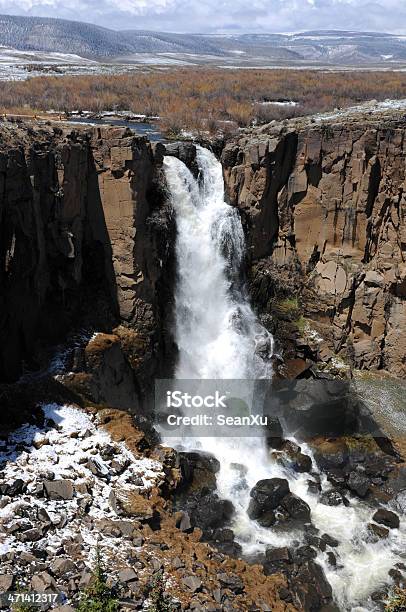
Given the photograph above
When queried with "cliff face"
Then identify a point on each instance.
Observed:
(324, 209)
(87, 239)
(83, 242)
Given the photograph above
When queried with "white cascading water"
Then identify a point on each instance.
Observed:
(219, 337)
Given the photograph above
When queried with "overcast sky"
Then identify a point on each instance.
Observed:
(223, 15)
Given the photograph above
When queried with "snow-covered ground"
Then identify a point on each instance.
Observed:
(284, 103)
(371, 107)
(15, 56)
(72, 449)
(20, 65)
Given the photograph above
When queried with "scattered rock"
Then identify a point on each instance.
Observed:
(333, 498)
(184, 523)
(207, 511)
(396, 576)
(127, 575)
(198, 470)
(193, 583)
(332, 559)
(378, 530)
(135, 505)
(97, 467)
(358, 483)
(311, 587)
(42, 581)
(329, 540)
(85, 579)
(16, 488)
(278, 554)
(302, 463)
(297, 508)
(31, 535)
(232, 582)
(59, 489)
(6, 582)
(62, 567)
(304, 553)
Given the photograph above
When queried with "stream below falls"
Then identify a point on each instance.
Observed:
(219, 337)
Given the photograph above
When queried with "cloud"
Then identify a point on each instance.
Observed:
(222, 15)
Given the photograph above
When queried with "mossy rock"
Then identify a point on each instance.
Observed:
(287, 309)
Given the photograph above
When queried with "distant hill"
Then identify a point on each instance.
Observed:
(63, 36)
(91, 41)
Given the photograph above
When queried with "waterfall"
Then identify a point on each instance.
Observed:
(216, 331)
(219, 337)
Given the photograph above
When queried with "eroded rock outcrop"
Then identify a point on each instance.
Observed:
(324, 206)
(85, 244)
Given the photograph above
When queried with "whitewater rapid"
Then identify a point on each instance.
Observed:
(219, 337)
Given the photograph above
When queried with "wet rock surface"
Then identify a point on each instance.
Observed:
(272, 503)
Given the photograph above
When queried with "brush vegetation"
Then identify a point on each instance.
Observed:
(204, 99)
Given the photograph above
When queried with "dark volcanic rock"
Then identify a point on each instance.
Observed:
(387, 518)
(59, 489)
(284, 177)
(296, 507)
(302, 463)
(198, 470)
(333, 498)
(359, 484)
(267, 495)
(311, 587)
(378, 531)
(207, 511)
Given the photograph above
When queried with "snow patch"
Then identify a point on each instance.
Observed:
(63, 449)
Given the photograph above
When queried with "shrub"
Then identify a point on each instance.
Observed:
(98, 597)
(156, 595)
(397, 603)
(197, 98)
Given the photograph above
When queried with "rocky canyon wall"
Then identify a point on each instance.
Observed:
(87, 240)
(84, 246)
(323, 202)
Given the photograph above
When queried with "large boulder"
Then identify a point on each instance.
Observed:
(296, 507)
(387, 518)
(207, 511)
(198, 470)
(311, 587)
(59, 489)
(266, 496)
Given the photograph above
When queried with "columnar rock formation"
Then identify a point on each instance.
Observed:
(87, 239)
(84, 241)
(324, 205)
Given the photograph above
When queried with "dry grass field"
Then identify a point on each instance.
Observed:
(203, 98)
